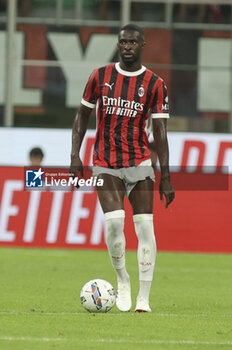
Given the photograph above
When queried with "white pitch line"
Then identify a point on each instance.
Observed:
(118, 341)
(39, 313)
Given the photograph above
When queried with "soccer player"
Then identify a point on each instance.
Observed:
(124, 93)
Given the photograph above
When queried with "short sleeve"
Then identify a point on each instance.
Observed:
(159, 105)
(90, 95)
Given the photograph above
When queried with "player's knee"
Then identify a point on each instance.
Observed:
(146, 228)
(114, 223)
(114, 227)
(144, 225)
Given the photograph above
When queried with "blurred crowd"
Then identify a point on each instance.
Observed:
(24, 7)
(110, 10)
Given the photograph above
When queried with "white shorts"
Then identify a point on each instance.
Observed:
(131, 175)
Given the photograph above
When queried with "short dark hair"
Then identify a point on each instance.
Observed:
(131, 26)
(36, 152)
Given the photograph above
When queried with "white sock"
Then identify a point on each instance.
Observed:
(146, 252)
(116, 243)
(144, 290)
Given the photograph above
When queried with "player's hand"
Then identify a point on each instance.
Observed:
(76, 168)
(166, 190)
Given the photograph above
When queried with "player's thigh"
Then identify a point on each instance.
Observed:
(141, 197)
(111, 194)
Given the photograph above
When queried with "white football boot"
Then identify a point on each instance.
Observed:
(142, 305)
(123, 297)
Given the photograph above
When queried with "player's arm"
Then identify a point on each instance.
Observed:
(81, 122)
(161, 143)
(78, 132)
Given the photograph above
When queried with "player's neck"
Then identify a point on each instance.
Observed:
(130, 67)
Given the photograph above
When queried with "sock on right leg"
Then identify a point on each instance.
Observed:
(116, 243)
(122, 275)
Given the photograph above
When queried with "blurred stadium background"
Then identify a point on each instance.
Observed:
(48, 49)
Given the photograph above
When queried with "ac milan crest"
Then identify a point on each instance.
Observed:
(141, 91)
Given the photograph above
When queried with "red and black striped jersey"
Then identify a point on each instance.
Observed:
(123, 101)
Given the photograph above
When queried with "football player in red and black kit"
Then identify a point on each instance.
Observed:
(125, 94)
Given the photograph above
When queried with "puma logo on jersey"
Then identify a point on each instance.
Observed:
(109, 85)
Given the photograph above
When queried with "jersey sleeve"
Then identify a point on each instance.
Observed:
(159, 105)
(91, 95)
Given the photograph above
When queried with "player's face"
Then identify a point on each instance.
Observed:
(130, 46)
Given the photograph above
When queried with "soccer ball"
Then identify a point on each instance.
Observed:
(97, 296)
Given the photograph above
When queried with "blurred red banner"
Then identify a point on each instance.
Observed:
(199, 220)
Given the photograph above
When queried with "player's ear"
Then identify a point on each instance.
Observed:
(118, 41)
(143, 44)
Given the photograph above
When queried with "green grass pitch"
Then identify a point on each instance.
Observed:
(191, 300)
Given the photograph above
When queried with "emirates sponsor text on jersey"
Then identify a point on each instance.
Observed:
(119, 106)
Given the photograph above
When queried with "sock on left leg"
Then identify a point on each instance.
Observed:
(146, 255)
(144, 290)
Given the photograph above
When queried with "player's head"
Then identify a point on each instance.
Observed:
(36, 156)
(130, 44)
